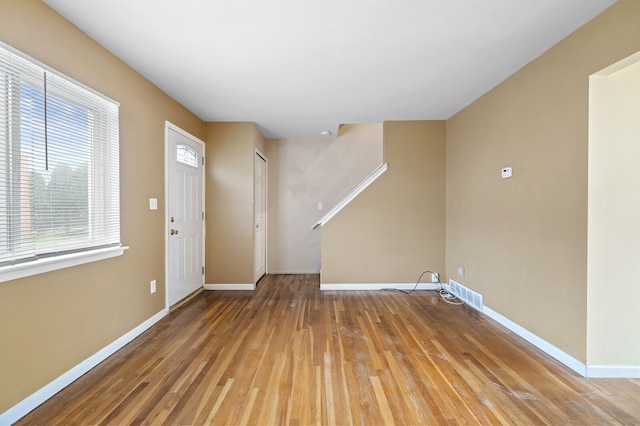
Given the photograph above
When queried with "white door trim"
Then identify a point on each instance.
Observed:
(170, 126)
(266, 213)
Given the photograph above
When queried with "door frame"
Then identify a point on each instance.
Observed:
(266, 213)
(170, 126)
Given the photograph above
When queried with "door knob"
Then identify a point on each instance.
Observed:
(174, 232)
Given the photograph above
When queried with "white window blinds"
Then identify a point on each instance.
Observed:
(59, 165)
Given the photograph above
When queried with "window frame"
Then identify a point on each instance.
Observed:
(47, 262)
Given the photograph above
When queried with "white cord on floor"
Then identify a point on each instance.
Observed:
(445, 295)
(450, 298)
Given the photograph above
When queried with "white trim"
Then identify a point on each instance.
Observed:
(48, 264)
(613, 371)
(229, 286)
(266, 214)
(620, 65)
(351, 195)
(543, 345)
(56, 72)
(591, 371)
(381, 286)
(170, 126)
(22, 408)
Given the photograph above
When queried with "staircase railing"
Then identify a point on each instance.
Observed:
(351, 195)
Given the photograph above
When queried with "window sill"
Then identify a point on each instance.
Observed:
(13, 272)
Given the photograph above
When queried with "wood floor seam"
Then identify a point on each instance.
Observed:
(289, 353)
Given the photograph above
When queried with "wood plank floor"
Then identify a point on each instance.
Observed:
(290, 354)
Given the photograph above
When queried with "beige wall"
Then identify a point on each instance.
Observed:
(305, 172)
(51, 322)
(613, 272)
(394, 229)
(229, 201)
(523, 241)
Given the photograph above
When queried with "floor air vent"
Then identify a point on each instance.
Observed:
(469, 296)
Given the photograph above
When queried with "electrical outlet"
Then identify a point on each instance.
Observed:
(152, 286)
(461, 271)
(435, 277)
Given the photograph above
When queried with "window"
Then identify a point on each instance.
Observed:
(187, 155)
(59, 168)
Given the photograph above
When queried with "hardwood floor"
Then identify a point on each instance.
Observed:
(290, 354)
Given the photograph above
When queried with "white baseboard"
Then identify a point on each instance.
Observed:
(613, 371)
(589, 371)
(230, 286)
(22, 408)
(543, 345)
(381, 286)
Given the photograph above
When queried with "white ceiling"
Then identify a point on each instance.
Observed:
(297, 67)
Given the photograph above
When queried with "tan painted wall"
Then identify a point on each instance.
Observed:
(51, 322)
(523, 241)
(303, 172)
(229, 202)
(613, 272)
(394, 229)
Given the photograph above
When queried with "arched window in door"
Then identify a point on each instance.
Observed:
(187, 155)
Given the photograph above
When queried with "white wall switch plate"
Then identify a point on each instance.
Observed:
(152, 286)
(319, 205)
(461, 271)
(507, 172)
(153, 204)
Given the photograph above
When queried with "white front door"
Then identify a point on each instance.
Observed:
(260, 239)
(184, 214)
